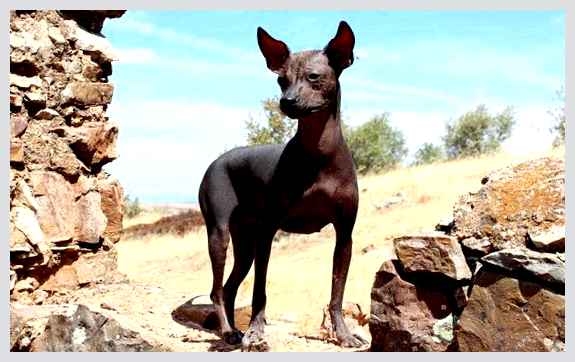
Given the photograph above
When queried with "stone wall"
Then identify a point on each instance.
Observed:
(64, 209)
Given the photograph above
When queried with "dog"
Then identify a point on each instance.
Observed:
(252, 192)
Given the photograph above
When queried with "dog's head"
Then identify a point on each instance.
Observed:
(308, 79)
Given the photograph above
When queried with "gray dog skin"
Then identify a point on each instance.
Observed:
(299, 187)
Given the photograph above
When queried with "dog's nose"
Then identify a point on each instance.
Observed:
(287, 103)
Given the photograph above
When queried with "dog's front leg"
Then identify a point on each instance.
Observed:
(341, 261)
(253, 339)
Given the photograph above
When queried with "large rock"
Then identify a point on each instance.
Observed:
(512, 202)
(506, 314)
(71, 328)
(432, 253)
(408, 317)
(541, 266)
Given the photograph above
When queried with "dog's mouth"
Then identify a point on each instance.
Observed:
(297, 112)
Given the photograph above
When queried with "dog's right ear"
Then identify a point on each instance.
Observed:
(275, 51)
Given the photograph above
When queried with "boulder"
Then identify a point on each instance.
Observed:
(95, 45)
(72, 328)
(432, 253)
(476, 246)
(526, 197)
(25, 82)
(551, 240)
(407, 317)
(90, 220)
(545, 267)
(506, 314)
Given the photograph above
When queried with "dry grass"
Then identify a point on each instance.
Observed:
(299, 274)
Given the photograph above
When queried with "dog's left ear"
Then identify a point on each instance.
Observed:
(339, 50)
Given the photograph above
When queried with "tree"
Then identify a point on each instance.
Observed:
(478, 132)
(132, 208)
(278, 127)
(428, 153)
(558, 114)
(375, 145)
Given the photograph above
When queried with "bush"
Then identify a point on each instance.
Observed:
(375, 145)
(278, 127)
(477, 132)
(132, 208)
(428, 153)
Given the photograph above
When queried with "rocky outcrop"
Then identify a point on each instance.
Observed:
(498, 271)
(71, 328)
(64, 210)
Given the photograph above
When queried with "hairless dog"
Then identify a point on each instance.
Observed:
(299, 187)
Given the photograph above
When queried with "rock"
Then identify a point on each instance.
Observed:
(368, 248)
(526, 197)
(98, 46)
(35, 99)
(28, 284)
(46, 114)
(551, 240)
(407, 317)
(13, 279)
(506, 314)
(16, 151)
(88, 268)
(353, 317)
(395, 199)
(44, 151)
(15, 102)
(39, 296)
(90, 220)
(87, 93)
(112, 200)
(203, 315)
(26, 221)
(71, 328)
(25, 82)
(56, 35)
(432, 254)
(481, 246)
(445, 225)
(543, 266)
(56, 205)
(18, 123)
(91, 20)
(94, 144)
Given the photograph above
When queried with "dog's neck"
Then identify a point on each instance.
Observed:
(320, 133)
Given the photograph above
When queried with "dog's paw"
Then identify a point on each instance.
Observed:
(233, 338)
(352, 341)
(254, 342)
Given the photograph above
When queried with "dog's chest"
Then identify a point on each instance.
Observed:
(314, 210)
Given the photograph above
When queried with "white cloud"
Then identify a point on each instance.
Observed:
(185, 39)
(165, 146)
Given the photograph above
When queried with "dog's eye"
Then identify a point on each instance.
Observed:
(312, 77)
(283, 82)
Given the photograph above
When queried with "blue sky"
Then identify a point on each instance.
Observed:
(185, 82)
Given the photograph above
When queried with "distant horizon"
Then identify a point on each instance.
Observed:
(186, 81)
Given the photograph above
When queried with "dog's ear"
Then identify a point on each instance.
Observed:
(339, 50)
(275, 51)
